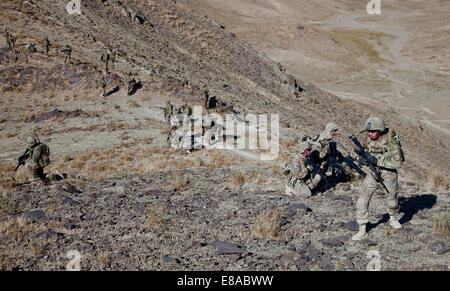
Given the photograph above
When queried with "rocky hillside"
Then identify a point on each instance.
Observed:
(143, 194)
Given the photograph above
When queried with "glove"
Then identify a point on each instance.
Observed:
(358, 151)
(372, 160)
(362, 161)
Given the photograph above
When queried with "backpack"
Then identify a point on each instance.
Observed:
(396, 159)
(45, 156)
(288, 171)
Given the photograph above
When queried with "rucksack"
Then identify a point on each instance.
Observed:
(45, 156)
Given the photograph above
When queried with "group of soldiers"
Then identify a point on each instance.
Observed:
(178, 118)
(10, 40)
(317, 161)
(307, 172)
(30, 47)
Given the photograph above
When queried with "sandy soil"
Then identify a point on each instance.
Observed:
(398, 59)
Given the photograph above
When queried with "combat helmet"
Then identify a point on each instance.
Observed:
(375, 123)
(331, 126)
(303, 146)
(324, 135)
(31, 141)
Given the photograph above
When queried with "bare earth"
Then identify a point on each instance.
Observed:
(130, 202)
(399, 59)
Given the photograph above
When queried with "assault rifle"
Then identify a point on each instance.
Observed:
(368, 160)
(21, 161)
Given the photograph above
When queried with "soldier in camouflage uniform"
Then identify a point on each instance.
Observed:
(46, 44)
(302, 177)
(131, 82)
(103, 84)
(106, 58)
(383, 146)
(186, 110)
(67, 51)
(37, 155)
(168, 111)
(7, 37)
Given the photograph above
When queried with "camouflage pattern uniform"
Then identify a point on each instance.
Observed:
(168, 111)
(103, 86)
(298, 173)
(36, 160)
(7, 37)
(107, 57)
(186, 110)
(67, 50)
(46, 43)
(321, 149)
(131, 82)
(389, 155)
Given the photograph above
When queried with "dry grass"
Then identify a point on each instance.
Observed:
(6, 206)
(179, 182)
(441, 223)
(238, 178)
(268, 224)
(158, 216)
(133, 104)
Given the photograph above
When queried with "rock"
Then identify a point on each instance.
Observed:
(66, 187)
(442, 251)
(34, 216)
(294, 209)
(225, 248)
(283, 221)
(49, 233)
(197, 244)
(171, 260)
(313, 253)
(56, 113)
(326, 265)
(230, 213)
(352, 225)
(332, 242)
(69, 201)
(370, 243)
(300, 263)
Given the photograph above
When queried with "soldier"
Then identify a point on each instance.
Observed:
(103, 86)
(106, 57)
(303, 178)
(186, 109)
(67, 50)
(131, 82)
(30, 48)
(46, 44)
(12, 42)
(37, 157)
(168, 111)
(385, 153)
(332, 128)
(7, 35)
(206, 95)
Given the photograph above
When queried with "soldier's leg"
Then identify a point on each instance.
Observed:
(314, 184)
(299, 189)
(391, 181)
(32, 171)
(362, 206)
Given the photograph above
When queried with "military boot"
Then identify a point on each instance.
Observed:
(395, 223)
(362, 234)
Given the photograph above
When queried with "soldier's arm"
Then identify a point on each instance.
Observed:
(324, 151)
(302, 170)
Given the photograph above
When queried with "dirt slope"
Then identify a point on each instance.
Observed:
(114, 149)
